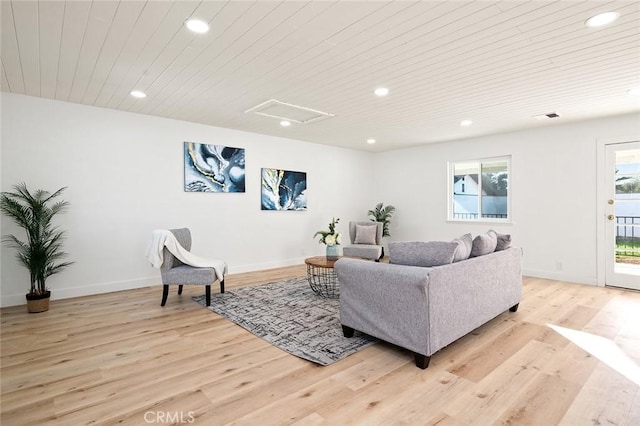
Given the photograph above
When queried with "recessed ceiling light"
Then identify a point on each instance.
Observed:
(601, 19)
(138, 94)
(633, 91)
(285, 123)
(371, 141)
(381, 91)
(466, 123)
(197, 26)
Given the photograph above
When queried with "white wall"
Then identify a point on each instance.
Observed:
(552, 184)
(125, 177)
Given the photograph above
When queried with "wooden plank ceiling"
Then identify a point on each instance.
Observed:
(495, 63)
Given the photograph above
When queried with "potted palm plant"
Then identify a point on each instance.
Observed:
(383, 214)
(41, 252)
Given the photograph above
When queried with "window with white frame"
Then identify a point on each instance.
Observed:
(479, 190)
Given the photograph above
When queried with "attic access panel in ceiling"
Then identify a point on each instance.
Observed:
(282, 110)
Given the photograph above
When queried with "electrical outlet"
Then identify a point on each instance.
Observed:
(559, 265)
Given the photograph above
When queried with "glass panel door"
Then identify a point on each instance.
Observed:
(623, 215)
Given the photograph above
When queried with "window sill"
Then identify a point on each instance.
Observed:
(482, 221)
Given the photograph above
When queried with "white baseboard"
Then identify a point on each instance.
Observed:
(66, 293)
(12, 300)
(561, 276)
(69, 292)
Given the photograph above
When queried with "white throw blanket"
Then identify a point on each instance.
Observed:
(161, 238)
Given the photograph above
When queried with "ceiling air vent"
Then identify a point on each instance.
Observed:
(546, 116)
(284, 111)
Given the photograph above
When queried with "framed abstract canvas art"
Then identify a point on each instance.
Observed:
(283, 190)
(213, 168)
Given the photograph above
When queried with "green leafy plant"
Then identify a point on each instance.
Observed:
(382, 214)
(330, 237)
(41, 252)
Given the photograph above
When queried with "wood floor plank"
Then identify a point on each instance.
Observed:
(298, 405)
(204, 366)
(633, 418)
(376, 398)
(114, 358)
(374, 365)
(426, 402)
(493, 354)
(572, 364)
(312, 419)
(545, 401)
(237, 385)
(611, 318)
(417, 395)
(487, 401)
(469, 344)
(607, 398)
(176, 409)
(225, 410)
(83, 407)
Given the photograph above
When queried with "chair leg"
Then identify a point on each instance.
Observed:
(222, 285)
(207, 290)
(514, 307)
(165, 293)
(180, 289)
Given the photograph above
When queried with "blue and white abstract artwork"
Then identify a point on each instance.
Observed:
(213, 168)
(284, 190)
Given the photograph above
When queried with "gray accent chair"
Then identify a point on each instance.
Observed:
(173, 271)
(364, 251)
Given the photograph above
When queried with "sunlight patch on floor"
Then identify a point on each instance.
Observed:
(604, 349)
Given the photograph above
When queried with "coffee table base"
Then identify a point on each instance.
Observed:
(323, 281)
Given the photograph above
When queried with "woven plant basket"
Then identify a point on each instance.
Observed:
(38, 302)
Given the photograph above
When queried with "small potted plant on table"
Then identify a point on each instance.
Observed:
(332, 239)
(42, 251)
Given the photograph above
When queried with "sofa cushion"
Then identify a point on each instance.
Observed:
(465, 242)
(504, 241)
(421, 253)
(366, 234)
(484, 244)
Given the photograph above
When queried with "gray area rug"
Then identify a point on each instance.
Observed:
(289, 315)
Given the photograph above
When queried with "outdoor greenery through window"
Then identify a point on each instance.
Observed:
(627, 207)
(479, 189)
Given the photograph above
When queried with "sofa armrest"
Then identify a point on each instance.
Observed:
(467, 294)
(385, 301)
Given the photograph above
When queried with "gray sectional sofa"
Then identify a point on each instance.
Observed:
(423, 309)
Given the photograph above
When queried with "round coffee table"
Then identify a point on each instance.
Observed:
(322, 278)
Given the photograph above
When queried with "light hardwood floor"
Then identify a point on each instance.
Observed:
(121, 358)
